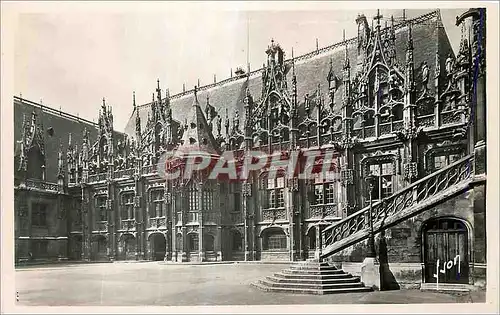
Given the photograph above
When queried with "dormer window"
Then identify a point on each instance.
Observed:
(193, 125)
(192, 141)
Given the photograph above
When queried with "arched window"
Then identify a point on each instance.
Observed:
(193, 242)
(35, 163)
(208, 242)
(274, 239)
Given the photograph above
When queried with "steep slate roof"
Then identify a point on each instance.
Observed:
(62, 124)
(312, 69)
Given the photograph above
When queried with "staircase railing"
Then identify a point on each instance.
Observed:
(419, 191)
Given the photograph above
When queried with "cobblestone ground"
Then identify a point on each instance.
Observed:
(156, 284)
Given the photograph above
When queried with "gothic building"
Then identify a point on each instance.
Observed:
(393, 104)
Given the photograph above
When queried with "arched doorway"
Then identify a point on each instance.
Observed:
(158, 246)
(100, 247)
(76, 247)
(274, 239)
(446, 251)
(129, 246)
(209, 243)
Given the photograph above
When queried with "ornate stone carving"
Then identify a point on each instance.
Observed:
(293, 184)
(347, 176)
(410, 171)
(246, 189)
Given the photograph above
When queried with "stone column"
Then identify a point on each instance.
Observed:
(218, 243)
(246, 217)
(319, 246)
(184, 244)
(173, 232)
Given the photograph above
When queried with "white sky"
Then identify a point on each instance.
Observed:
(72, 58)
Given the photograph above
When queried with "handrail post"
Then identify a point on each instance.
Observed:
(371, 239)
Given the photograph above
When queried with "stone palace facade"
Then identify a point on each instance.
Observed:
(395, 102)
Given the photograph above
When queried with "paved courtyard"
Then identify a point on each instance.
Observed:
(157, 284)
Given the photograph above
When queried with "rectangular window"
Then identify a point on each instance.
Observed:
(39, 214)
(193, 199)
(193, 216)
(444, 159)
(439, 161)
(383, 181)
(128, 207)
(330, 193)
(271, 198)
(318, 194)
(275, 192)
(280, 202)
(207, 200)
(101, 208)
(237, 202)
(325, 189)
(156, 204)
(276, 242)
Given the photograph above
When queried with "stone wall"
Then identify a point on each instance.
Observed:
(274, 255)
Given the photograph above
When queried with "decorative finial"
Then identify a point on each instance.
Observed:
(133, 95)
(343, 35)
(158, 83)
(378, 17)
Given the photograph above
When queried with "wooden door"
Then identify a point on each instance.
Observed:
(446, 251)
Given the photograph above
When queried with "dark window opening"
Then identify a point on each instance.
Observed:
(274, 239)
(39, 214)
(193, 242)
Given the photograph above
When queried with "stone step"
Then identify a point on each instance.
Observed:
(445, 287)
(313, 281)
(312, 271)
(312, 276)
(309, 267)
(312, 263)
(263, 287)
(310, 286)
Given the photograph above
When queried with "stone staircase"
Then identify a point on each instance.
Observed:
(402, 205)
(311, 277)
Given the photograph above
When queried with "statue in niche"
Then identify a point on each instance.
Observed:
(60, 159)
(425, 75)
(219, 125)
(236, 121)
(307, 105)
(449, 65)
